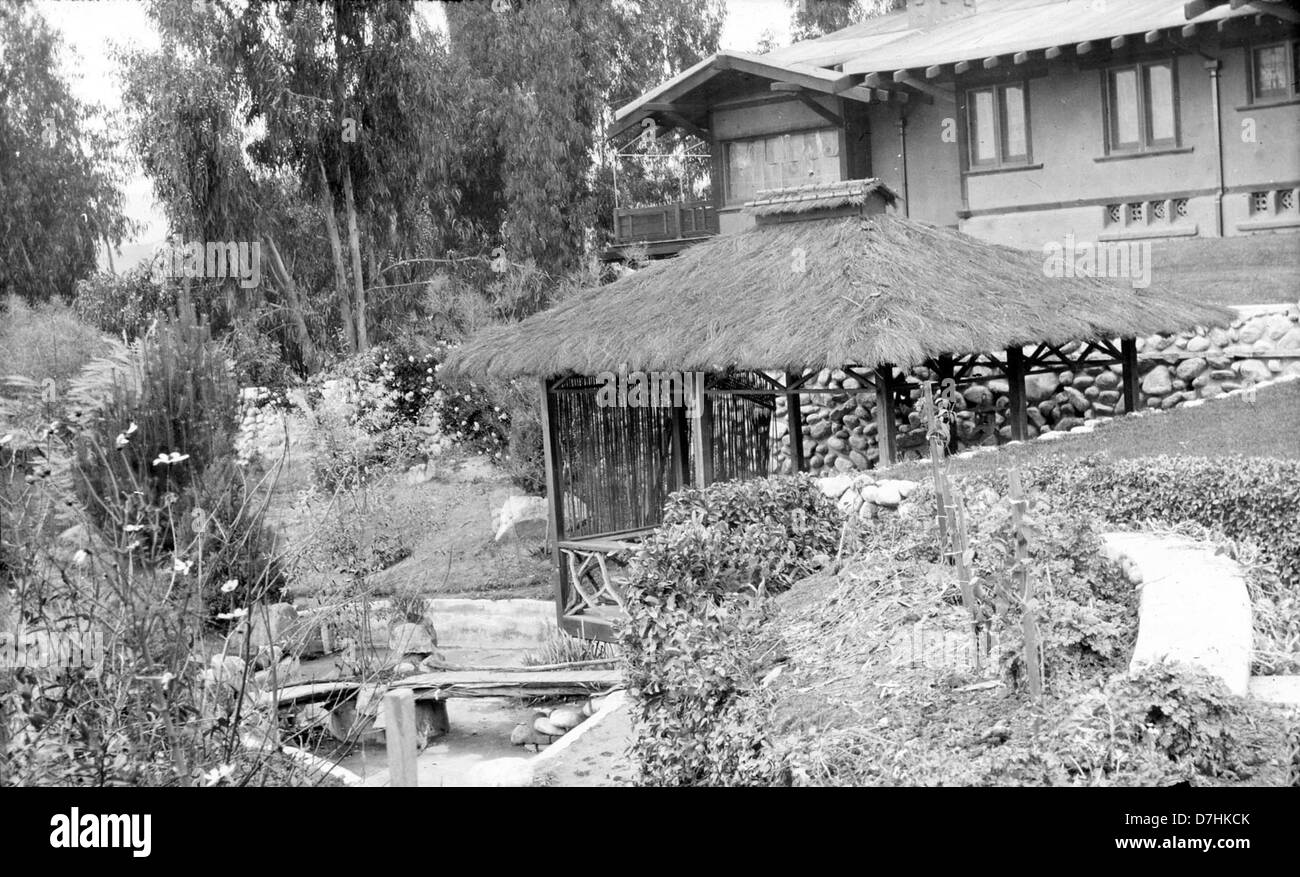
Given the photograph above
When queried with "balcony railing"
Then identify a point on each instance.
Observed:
(684, 220)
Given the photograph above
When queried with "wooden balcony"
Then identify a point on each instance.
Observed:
(664, 229)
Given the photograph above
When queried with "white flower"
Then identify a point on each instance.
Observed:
(121, 441)
(170, 459)
(181, 566)
(229, 586)
(132, 528)
(6, 438)
(80, 557)
(231, 616)
(132, 428)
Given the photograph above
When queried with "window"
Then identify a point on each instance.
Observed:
(997, 120)
(1274, 72)
(781, 161)
(1141, 107)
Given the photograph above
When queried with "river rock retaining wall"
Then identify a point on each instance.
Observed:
(839, 428)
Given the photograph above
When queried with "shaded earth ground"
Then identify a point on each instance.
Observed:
(443, 525)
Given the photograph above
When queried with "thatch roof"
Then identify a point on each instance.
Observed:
(819, 197)
(876, 289)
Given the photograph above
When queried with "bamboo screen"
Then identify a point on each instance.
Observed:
(616, 463)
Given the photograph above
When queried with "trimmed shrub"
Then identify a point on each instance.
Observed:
(694, 637)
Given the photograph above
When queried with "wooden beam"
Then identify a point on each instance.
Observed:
(1189, 31)
(1118, 42)
(990, 63)
(1017, 413)
(702, 436)
(934, 72)
(681, 446)
(886, 425)
(687, 125)
(399, 738)
(860, 94)
(1083, 48)
(794, 420)
(1020, 57)
(1129, 353)
(813, 104)
(554, 498)
(1196, 8)
(797, 90)
(928, 92)
(1052, 53)
(873, 80)
(1151, 36)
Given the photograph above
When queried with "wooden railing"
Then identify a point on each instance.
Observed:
(667, 222)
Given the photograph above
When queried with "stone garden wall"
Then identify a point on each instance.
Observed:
(839, 429)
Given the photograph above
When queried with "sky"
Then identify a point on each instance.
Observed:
(93, 29)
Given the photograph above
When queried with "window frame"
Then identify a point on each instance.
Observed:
(1292, 90)
(1145, 142)
(1000, 123)
(728, 201)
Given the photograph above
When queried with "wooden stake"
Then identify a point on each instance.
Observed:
(399, 734)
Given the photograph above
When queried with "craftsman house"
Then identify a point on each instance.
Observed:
(1017, 121)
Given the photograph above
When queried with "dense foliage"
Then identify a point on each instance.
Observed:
(1251, 498)
(60, 174)
(694, 639)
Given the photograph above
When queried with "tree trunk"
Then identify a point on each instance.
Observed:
(354, 244)
(294, 305)
(336, 250)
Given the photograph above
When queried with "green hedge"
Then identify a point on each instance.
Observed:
(694, 639)
(1246, 498)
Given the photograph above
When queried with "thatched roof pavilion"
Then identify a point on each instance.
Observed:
(876, 289)
(825, 279)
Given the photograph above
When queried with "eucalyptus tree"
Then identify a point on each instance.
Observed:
(60, 170)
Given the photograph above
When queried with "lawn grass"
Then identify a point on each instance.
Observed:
(1267, 427)
(1246, 270)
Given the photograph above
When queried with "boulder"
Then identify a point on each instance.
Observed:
(1158, 382)
(1198, 344)
(835, 485)
(1253, 370)
(1107, 380)
(1290, 340)
(407, 638)
(1190, 368)
(1041, 387)
(522, 517)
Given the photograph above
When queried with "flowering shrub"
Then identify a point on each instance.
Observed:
(471, 416)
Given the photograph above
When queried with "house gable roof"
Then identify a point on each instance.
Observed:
(888, 44)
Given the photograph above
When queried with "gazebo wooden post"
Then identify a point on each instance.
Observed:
(1015, 372)
(554, 495)
(681, 447)
(794, 420)
(1129, 357)
(886, 426)
(702, 436)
